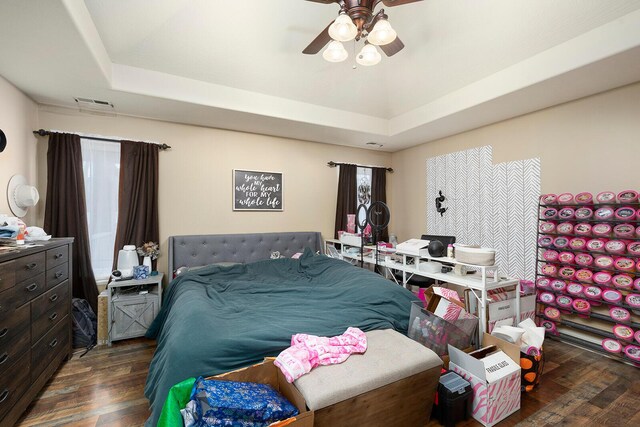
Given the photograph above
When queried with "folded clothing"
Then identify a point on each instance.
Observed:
(230, 403)
(9, 231)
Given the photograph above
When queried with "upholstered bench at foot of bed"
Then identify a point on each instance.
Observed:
(392, 384)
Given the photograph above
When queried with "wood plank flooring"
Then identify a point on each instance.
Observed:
(105, 388)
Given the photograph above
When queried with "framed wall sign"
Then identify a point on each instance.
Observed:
(257, 191)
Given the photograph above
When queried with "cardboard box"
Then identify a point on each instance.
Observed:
(495, 379)
(503, 306)
(442, 304)
(267, 373)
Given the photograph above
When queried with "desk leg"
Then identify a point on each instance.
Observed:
(518, 314)
(109, 316)
(483, 315)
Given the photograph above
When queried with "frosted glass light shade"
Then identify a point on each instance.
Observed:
(335, 52)
(368, 56)
(343, 29)
(382, 33)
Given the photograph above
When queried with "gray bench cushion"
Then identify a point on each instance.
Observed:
(390, 357)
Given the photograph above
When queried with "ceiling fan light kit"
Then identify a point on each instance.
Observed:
(343, 29)
(382, 33)
(368, 56)
(335, 52)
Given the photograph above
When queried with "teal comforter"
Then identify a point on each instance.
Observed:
(218, 319)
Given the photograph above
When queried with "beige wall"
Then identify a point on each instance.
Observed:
(592, 144)
(195, 175)
(17, 120)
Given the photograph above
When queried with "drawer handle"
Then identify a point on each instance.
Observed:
(31, 266)
(4, 395)
(4, 332)
(32, 287)
(59, 274)
(58, 255)
(53, 343)
(53, 316)
(53, 298)
(3, 358)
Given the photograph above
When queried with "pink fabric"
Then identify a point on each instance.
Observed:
(308, 351)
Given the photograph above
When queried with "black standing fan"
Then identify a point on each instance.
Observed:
(360, 226)
(378, 216)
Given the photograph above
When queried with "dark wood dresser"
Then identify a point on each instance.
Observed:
(35, 321)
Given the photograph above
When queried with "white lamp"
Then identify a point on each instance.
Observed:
(343, 29)
(369, 55)
(335, 52)
(382, 33)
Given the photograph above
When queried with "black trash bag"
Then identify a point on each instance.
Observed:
(85, 324)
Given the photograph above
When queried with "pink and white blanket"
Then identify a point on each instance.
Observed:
(308, 351)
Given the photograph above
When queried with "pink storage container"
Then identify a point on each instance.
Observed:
(623, 332)
(558, 285)
(583, 229)
(549, 326)
(596, 245)
(637, 336)
(611, 296)
(561, 242)
(603, 261)
(602, 278)
(611, 346)
(582, 306)
(624, 231)
(564, 228)
(638, 215)
(547, 227)
(619, 314)
(633, 248)
(566, 273)
(601, 230)
(550, 255)
(543, 283)
(638, 231)
(636, 284)
(628, 196)
(633, 301)
(545, 241)
(549, 270)
(633, 353)
(615, 247)
(578, 243)
(638, 265)
(622, 281)
(585, 213)
(565, 199)
(604, 213)
(625, 213)
(547, 298)
(593, 292)
(564, 302)
(566, 213)
(552, 313)
(575, 289)
(584, 260)
(625, 264)
(566, 257)
(548, 199)
(606, 197)
(550, 213)
(584, 275)
(584, 198)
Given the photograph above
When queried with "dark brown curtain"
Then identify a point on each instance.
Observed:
(379, 194)
(137, 196)
(65, 212)
(347, 197)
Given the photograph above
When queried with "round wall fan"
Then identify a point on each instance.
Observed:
(357, 20)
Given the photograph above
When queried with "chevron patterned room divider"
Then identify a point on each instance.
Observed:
(489, 205)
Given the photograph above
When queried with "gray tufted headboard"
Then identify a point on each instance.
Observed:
(200, 250)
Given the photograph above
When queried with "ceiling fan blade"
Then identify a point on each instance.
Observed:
(393, 47)
(324, 1)
(319, 42)
(391, 3)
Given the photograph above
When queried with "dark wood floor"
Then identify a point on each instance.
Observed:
(105, 388)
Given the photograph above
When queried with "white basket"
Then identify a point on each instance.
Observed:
(475, 255)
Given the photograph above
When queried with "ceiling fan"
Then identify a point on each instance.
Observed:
(357, 20)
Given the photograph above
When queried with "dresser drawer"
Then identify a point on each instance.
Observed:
(57, 256)
(13, 327)
(7, 275)
(29, 266)
(13, 385)
(15, 352)
(7, 302)
(57, 274)
(49, 309)
(29, 289)
(53, 343)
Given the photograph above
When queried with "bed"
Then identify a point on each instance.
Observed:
(217, 318)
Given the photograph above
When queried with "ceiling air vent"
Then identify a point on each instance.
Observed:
(95, 105)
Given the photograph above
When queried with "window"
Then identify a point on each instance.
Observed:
(101, 170)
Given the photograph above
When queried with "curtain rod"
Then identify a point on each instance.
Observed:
(43, 132)
(333, 164)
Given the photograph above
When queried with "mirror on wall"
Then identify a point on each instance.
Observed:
(3, 141)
